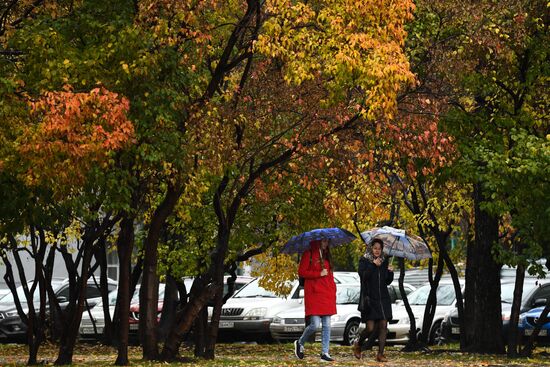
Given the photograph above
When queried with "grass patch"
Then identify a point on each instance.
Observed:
(275, 355)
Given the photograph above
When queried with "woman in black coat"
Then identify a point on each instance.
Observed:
(374, 302)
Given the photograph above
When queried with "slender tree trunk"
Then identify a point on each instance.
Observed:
(125, 245)
(431, 304)
(482, 306)
(514, 316)
(412, 343)
(148, 294)
(70, 334)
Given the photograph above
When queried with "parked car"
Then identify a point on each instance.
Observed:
(289, 325)
(249, 311)
(535, 293)
(399, 326)
(3, 292)
(240, 281)
(93, 322)
(12, 326)
(527, 322)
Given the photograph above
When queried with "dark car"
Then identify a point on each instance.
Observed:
(12, 327)
(535, 293)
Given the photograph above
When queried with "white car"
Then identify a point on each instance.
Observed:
(398, 327)
(249, 311)
(289, 325)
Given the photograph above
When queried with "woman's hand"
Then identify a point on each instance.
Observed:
(390, 268)
(377, 261)
(324, 272)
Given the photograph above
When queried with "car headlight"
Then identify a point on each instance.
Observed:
(11, 313)
(277, 320)
(334, 318)
(255, 313)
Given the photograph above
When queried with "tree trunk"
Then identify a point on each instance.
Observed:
(70, 333)
(148, 294)
(482, 299)
(431, 304)
(458, 292)
(170, 304)
(200, 328)
(125, 245)
(412, 343)
(184, 320)
(514, 316)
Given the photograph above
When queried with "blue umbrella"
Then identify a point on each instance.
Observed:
(399, 243)
(300, 243)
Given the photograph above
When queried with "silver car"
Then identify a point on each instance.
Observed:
(290, 324)
(250, 311)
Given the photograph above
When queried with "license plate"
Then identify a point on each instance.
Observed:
(90, 330)
(542, 332)
(455, 330)
(293, 328)
(226, 324)
(134, 326)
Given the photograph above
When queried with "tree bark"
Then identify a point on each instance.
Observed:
(125, 245)
(482, 298)
(148, 294)
(514, 315)
(184, 320)
(70, 333)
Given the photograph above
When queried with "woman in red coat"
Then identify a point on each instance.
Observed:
(319, 295)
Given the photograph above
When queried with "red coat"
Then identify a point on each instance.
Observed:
(319, 292)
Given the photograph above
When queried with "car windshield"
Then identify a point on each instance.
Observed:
(445, 295)
(347, 295)
(253, 290)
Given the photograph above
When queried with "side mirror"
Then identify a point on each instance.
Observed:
(539, 302)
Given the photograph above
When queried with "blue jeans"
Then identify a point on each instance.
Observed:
(315, 321)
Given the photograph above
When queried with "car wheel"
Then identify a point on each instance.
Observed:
(436, 336)
(351, 332)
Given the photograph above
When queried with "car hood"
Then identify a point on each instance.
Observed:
(7, 307)
(273, 305)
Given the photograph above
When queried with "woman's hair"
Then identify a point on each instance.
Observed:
(377, 240)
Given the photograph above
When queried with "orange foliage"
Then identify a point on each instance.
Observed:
(73, 133)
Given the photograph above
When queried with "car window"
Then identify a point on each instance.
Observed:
(507, 292)
(445, 295)
(347, 295)
(92, 291)
(542, 292)
(253, 290)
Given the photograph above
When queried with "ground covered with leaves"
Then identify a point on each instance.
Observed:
(276, 355)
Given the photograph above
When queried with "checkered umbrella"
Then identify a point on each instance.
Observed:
(398, 243)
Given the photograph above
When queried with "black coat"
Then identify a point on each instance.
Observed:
(374, 301)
